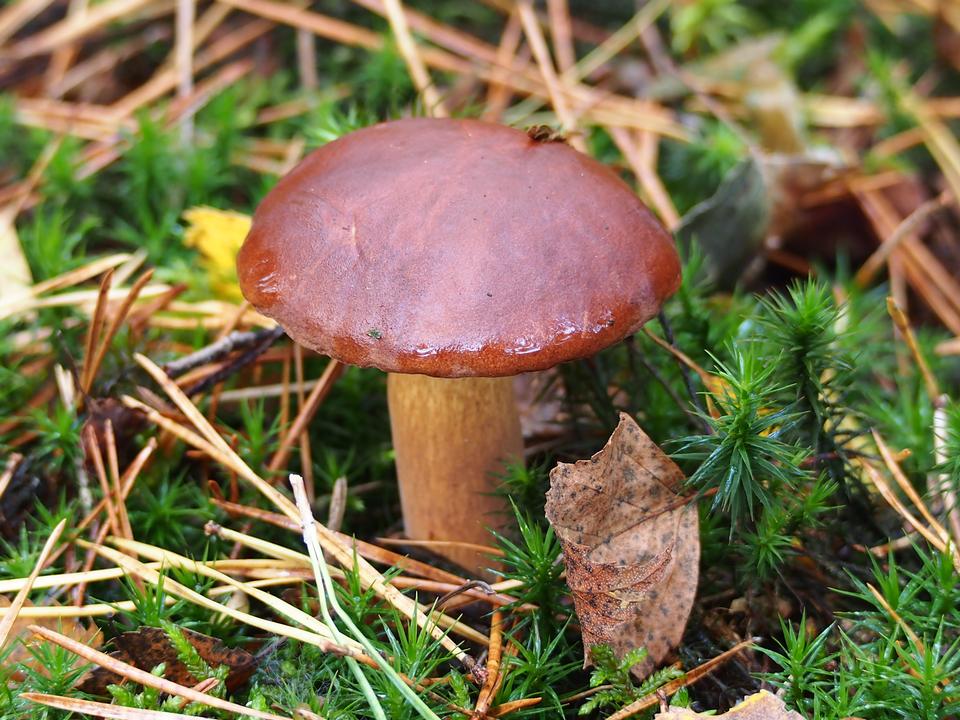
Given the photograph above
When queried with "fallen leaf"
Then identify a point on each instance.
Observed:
(218, 235)
(760, 201)
(71, 627)
(147, 647)
(759, 706)
(630, 542)
(731, 225)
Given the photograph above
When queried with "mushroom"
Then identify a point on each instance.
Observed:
(454, 254)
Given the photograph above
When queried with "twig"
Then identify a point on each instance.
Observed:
(367, 550)
(215, 351)
(907, 630)
(905, 485)
(268, 338)
(465, 587)
(887, 493)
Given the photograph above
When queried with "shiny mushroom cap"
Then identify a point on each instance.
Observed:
(455, 248)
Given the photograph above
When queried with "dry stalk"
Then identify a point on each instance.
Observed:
(696, 674)
(98, 709)
(143, 677)
(411, 56)
(6, 623)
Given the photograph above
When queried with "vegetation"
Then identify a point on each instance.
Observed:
(793, 406)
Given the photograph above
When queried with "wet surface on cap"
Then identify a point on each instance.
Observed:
(455, 248)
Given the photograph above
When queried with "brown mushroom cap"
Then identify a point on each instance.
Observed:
(455, 248)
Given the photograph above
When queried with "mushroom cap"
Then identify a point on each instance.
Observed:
(455, 248)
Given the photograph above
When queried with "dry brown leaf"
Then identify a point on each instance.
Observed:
(759, 706)
(147, 647)
(631, 544)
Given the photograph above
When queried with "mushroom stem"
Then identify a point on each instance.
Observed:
(451, 438)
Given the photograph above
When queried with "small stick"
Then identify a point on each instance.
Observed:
(237, 363)
(225, 456)
(281, 553)
(371, 552)
(284, 418)
(216, 351)
(81, 274)
(17, 14)
(172, 587)
(514, 705)
(432, 544)
(291, 612)
(127, 481)
(465, 588)
(887, 493)
(642, 160)
(307, 60)
(113, 465)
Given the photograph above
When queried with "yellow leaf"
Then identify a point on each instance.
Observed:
(218, 235)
